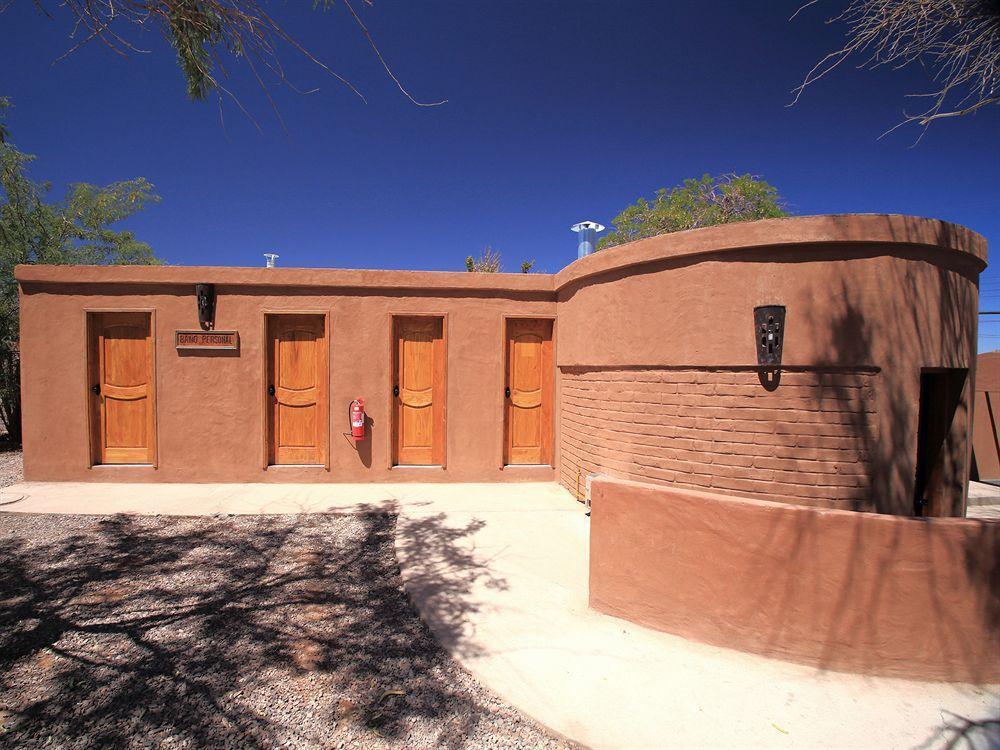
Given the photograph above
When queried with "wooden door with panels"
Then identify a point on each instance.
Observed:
(528, 392)
(122, 392)
(297, 421)
(419, 390)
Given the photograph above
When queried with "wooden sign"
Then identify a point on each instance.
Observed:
(207, 340)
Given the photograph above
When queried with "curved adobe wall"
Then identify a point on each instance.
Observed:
(659, 380)
(860, 592)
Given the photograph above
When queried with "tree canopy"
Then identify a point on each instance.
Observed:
(696, 203)
(74, 230)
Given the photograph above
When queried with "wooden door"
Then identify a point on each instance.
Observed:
(121, 386)
(418, 391)
(297, 389)
(528, 392)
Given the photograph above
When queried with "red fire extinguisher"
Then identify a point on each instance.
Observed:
(357, 411)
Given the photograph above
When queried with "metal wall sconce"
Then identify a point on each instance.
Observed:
(206, 305)
(769, 332)
(769, 322)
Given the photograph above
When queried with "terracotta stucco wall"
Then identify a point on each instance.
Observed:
(870, 315)
(985, 444)
(845, 591)
(871, 301)
(810, 441)
(210, 419)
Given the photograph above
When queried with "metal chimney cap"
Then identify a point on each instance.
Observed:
(587, 225)
(269, 259)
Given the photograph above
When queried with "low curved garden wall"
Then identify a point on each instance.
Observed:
(859, 592)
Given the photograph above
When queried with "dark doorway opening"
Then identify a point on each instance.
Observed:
(941, 440)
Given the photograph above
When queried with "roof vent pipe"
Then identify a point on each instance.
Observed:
(587, 237)
(269, 259)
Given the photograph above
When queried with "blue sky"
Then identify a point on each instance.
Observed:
(557, 112)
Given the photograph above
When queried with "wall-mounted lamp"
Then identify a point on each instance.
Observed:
(769, 328)
(769, 332)
(206, 305)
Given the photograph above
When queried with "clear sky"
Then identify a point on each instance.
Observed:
(557, 112)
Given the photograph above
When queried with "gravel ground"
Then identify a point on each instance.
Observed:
(11, 467)
(226, 632)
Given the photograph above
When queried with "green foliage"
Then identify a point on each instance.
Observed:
(195, 30)
(74, 230)
(4, 104)
(697, 203)
(527, 265)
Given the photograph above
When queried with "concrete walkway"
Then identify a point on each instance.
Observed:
(984, 500)
(500, 573)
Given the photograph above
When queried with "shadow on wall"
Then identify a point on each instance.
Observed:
(855, 592)
(363, 447)
(928, 314)
(870, 596)
(924, 315)
(245, 631)
(836, 426)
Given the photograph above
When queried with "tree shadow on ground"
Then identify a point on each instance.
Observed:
(245, 632)
(444, 569)
(962, 733)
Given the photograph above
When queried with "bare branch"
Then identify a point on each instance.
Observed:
(385, 65)
(925, 119)
(802, 8)
(203, 32)
(957, 42)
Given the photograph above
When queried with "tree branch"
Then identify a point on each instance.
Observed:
(956, 41)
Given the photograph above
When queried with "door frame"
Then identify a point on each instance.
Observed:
(502, 401)
(262, 388)
(92, 447)
(391, 400)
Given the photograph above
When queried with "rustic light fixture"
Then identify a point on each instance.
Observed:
(206, 305)
(769, 325)
(769, 332)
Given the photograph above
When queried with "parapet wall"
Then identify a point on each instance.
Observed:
(860, 592)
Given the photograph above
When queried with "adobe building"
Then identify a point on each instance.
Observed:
(824, 360)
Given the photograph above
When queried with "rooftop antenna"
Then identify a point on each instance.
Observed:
(587, 236)
(269, 259)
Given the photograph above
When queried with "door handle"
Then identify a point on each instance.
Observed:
(96, 389)
(395, 391)
(270, 390)
(506, 392)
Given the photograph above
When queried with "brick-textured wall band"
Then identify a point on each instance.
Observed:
(808, 441)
